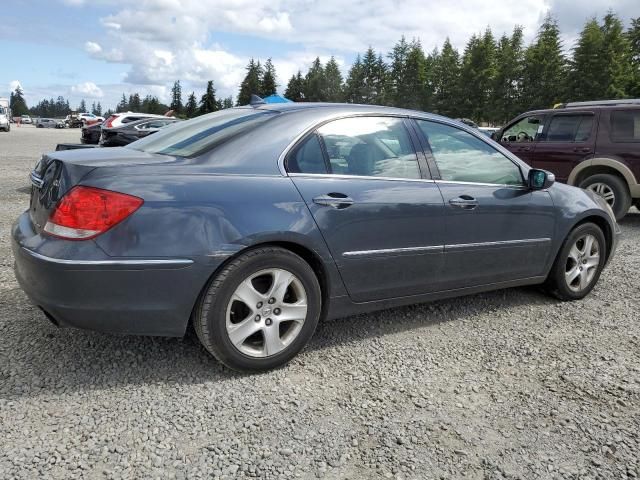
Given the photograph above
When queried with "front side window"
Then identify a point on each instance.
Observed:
(625, 126)
(569, 128)
(461, 157)
(524, 130)
(370, 146)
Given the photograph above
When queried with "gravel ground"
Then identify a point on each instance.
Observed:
(510, 384)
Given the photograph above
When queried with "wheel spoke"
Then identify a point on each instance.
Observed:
(247, 294)
(609, 195)
(574, 253)
(588, 244)
(592, 261)
(584, 279)
(297, 312)
(281, 281)
(272, 341)
(572, 274)
(238, 333)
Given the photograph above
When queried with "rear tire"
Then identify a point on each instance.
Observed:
(260, 310)
(613, 189)
(579, 263)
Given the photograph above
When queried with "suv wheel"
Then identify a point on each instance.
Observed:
(260, 310)
(613, 189)
(578, 264)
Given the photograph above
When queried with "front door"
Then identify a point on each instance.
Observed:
(568, 139)
(381, 218)
(521, 137)
(496, 229)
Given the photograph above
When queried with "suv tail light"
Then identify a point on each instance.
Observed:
(86, 212)
(109, 121)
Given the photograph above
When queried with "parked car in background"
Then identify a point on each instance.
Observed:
(49, 123)
(5, 116)
(90, 134)
(467, 121)
(89, 118)
(593, 145)
(26, 119)
(73, 120)
(120, 118)
(255, 221)
(130, 132)
(488, 131)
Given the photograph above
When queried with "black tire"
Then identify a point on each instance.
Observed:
(210, 314)
(556, 283)
(622, 198)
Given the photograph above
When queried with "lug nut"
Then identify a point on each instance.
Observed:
(272, 301)
(268, 322)
(257, 318)
(277, 311)
(259, 305)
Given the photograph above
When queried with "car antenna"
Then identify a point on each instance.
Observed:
(256, 100)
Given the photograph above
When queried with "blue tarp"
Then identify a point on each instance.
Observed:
(275, 98)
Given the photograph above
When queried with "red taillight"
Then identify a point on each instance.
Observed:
(110, 120)
(85, 212)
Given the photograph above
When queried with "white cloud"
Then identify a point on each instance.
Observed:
(92, 48)
(88, 89)
(13, 84)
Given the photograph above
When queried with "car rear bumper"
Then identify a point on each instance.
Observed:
(115, 295)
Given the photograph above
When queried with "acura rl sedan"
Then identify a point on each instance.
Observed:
(253, 223)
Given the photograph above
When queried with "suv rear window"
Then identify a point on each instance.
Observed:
(625, 126)
(569, 128)
(195, 136)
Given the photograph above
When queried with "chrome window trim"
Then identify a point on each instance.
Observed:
(505, 185)
(386, 251)
(141, 262)
(500, 243)
(363, 177)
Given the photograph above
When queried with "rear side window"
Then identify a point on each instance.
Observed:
(307, 157)
(569, 128)
(625, 126)
(370, 146)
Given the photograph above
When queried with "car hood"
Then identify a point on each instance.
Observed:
(110, 157)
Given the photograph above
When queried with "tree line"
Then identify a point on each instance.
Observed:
(491, 80)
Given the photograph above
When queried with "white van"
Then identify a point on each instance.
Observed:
(5, 115)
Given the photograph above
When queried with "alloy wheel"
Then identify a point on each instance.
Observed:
(266, 312)
(582, 263)
(605, 191)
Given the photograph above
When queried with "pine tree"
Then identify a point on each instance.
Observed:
(586, 76)
(135, 104)
(617, 51)
(208, 101)
(374, 74)
(192, 106)
(314, 83)
(507, 82)
(544, 73)
(476, 76)
(633, 36)
(398, 88)
(446, 79)
(252, 83)
(17, 102)
(98, 109)
(83, 106)
(176, 98)
(123, 106)
(332, 82)
(268, 84)
(354, 85)
(414, 83)
(227, 102)
(295, 88)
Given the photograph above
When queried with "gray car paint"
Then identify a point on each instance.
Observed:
(209, 208)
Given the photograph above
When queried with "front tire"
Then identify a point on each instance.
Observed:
(260, 310)
(613, 189)
(579, 263)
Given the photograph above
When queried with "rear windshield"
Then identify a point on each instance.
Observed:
(195, 136)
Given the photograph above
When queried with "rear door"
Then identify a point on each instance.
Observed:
(567, 139)
(371, 196)
(521, 137)
(496, 229)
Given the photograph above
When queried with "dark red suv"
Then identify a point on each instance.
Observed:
(593, 145)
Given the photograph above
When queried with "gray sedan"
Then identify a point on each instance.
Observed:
(254, 223)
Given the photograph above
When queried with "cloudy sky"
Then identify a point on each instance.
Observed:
(97, 49)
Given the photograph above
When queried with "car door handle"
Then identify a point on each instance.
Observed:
(465, 202)
(582, 149)
(524, 149)
(334, 200)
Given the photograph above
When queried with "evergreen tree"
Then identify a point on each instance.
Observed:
(414, 84)
(477, 75)
(123, 106)
(268, 84)
(354, 85)
(373, 78)
(227, 102)
(633, 36)
(252, 83)
(586, 76)
(208, 102)
(446, 79)
(176, 98)
(83, 106)
(295, 88)
(507, 82)
(617, 52)
(332, 82)
(93, 108)
(192, 106)
(17, 102)
(544, 73)
(314, 82)
(99, 109)
(398, 88)
(135, 104)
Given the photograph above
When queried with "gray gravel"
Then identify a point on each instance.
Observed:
(510, 384)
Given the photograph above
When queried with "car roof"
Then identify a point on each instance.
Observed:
(579, 108)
